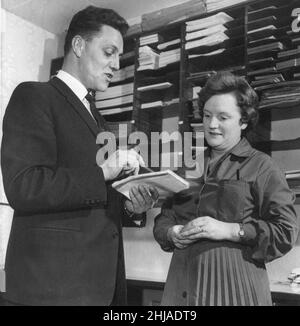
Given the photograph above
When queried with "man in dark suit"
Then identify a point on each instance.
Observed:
(65, 246)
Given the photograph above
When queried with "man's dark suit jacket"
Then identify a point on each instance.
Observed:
(65, 246)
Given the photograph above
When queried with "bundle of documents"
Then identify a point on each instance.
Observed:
(207, 41)
(154, 104)
(150, 39)
(117, 101)
(288, 64)
(213, 5)
(154, 87)
(115, 91)
(267, 79)
(148, 58)
(208, 31)
(276, 46)
(123, 74)
(220, 18)
(166, 182)
(205, 32)
(165, 45)
(293, 179)
(280, 94)
(168, 57)
(116, 110)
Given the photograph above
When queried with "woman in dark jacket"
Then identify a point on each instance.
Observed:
(238, 217)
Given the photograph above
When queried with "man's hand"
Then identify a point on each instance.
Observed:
(142, 198)
(122, 162)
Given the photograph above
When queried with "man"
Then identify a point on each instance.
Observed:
(65, 245)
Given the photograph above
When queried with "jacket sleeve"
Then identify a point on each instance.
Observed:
(33, 180)
(273, 232)
(162, 223)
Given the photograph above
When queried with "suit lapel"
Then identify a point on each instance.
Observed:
(76, 104)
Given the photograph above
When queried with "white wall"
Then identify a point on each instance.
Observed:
(26, 52)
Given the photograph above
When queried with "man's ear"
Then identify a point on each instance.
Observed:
(244, 125)
(78, 45)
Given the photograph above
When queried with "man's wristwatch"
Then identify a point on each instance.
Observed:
(241, 231)
(129, 214)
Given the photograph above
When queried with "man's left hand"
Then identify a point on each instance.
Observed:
(142, 197)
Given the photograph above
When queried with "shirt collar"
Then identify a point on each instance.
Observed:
(76, 86)
(241, 149)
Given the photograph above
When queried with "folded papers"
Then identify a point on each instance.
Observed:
(166, 182)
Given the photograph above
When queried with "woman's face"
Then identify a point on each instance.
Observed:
(222, 121)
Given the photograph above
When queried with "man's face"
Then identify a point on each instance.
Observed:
(100, 58)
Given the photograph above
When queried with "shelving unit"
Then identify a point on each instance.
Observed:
(257, 42)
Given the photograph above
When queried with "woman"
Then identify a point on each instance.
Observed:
(238, 217)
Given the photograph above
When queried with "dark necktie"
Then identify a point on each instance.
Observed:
(101, 123)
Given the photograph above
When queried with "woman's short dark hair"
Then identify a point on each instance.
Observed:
(89, 21)
(225, 82)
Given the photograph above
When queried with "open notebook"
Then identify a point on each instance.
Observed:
(166, 182)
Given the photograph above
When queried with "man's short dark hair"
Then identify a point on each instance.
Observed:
(89, 21)
(225, 82)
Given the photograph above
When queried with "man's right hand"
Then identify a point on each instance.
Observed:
(120, 163)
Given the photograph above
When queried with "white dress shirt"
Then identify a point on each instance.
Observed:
(76, 86)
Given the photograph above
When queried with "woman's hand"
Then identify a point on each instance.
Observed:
(174, 235)
(206, 227)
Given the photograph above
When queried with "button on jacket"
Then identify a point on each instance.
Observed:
(245, 186)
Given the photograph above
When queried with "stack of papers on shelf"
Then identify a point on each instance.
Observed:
(114, 101)
(207, 41)
(293, 179)
(115, 91)
(288, 64)
(165, 45)
(166, 182)
(281, 94)
(123, 74)
(116, 110)
(150, 39)
(267, 47)
(288, 53)
(203, 23)
(154, 87)
(148, 58)
(205, 32)
(293, 174)
(209, 31)
(159, 103)
(267, 79)
(212, 53)
(168, 57)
